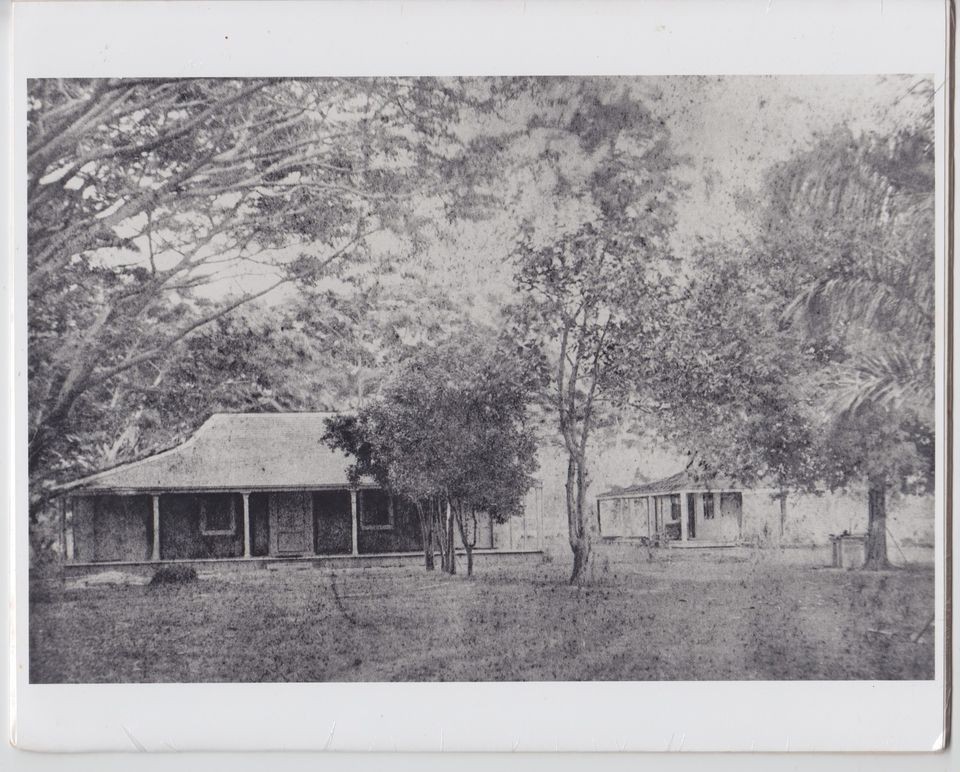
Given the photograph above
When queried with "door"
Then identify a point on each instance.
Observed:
(691, 516)
(292, 513)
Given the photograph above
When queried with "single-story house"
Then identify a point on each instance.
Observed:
(249, 486)
(689, 508)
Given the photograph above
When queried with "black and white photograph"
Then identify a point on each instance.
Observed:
(481, 378)
(515, 377)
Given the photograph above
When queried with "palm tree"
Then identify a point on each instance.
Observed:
(859, 213)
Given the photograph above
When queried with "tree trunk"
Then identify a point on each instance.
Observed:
(783, 513)
(576, 525)
(426, 536)
(876, 557)
(467, 543)
(451, 546)
(581, 556)
(441, 532)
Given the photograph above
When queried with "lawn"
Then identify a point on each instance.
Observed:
(686, 615)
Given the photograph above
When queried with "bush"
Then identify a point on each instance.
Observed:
(173, 575)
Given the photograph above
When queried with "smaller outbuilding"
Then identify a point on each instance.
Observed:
(699, 510)
(677, 508)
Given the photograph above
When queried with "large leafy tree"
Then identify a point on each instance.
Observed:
(727, 383)
(806, 354)
(262, 360)
(150, 201)
(450, 432)
(593, 274)
(384, 319)
(852, 224)
(848, 239)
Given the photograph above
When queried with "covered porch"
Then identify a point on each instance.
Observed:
(203, 525)
(248, 487)
(677, 509)
(257, 526)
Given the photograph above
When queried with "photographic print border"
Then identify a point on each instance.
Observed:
(223, 38)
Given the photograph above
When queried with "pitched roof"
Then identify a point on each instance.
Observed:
(237, 451)
(682, 481)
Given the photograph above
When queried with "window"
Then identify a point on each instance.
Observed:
(675, 507)
(376, 510)
(708, 506)
(218, 515)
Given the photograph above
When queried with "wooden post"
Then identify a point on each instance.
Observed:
(540, 518)
(63, 530)
(355, 546)
(646, 501)
(246, 524)
(684, 525)
(156, 528)
(523, 529)
(716, 506)
(71, 547)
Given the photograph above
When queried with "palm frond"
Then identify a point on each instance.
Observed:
(866, 301)
(888, 378)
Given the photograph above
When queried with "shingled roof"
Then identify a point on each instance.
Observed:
(236, 451)
(682, 481)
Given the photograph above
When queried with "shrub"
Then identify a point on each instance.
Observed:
(173, 575)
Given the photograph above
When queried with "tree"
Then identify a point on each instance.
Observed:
(851, 225)
(449, 432)
(592, 279)
(147, 198)
(258, 361)
(728, 384)
(386, 317)
(805, 355)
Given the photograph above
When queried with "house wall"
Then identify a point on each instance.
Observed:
(112, 528)
(712, 529)
(649, 516)
(668, 519)
(522, 531)
(813, 518)
(80, 522)
(180, 534)
(260, 524)
(625, 518)
(725, 526)
(506, 535)
(120, 528)
(403, 536)
(485, 524)
(332, 522)
(910, 519)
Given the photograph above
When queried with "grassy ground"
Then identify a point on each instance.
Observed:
(690, 616)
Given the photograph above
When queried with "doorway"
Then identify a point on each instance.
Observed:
(332, 523)
(294, 527)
